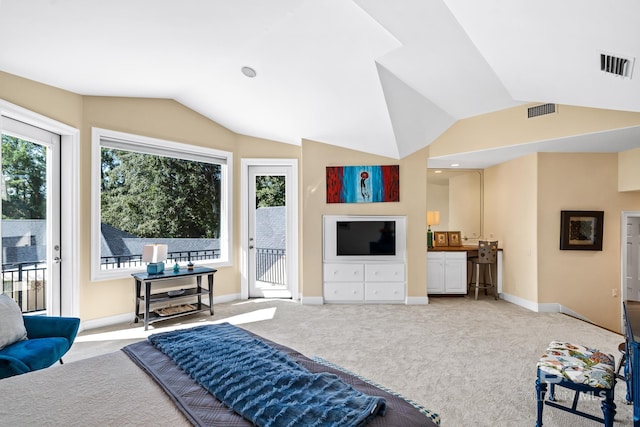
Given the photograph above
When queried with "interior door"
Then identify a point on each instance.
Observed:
(270, 232)
(632, 278)
(30, 225)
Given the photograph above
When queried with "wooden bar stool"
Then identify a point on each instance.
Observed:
(577, 368)
(484, 263)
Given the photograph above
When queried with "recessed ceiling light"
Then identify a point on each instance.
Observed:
(438, 171)
(249, 72)
(455, 165)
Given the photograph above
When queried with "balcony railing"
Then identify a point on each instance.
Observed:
(271, 266)
(26, 283)
(127, 261)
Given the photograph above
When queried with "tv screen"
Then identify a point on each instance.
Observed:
(365, 238)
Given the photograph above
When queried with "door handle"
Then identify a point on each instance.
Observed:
(57, 260)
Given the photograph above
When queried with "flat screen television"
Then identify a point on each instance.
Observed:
(365, 238)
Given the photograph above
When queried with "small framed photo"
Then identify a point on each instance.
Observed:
(454, 238)
(440, 238)
(581, 230)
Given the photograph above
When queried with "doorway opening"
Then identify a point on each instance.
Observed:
(630, 258)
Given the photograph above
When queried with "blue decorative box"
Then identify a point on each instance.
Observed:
(155, 267)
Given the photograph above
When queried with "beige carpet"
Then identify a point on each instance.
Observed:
(473, 362)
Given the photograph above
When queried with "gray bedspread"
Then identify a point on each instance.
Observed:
(203, 409)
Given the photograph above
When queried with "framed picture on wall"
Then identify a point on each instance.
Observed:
(581, 230)
(440, 238)
(454, 238)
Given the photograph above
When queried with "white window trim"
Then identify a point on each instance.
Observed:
(226, 217)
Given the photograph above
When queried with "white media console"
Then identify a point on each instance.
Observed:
(364, 259)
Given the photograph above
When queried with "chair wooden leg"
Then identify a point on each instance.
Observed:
(608, 411)
(541, 390)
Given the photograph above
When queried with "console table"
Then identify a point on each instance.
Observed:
(147, 297)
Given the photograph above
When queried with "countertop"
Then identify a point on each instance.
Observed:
(466, 248)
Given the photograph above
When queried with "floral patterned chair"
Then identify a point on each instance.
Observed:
(582, 369)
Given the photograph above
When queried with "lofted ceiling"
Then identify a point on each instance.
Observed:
(379, 76)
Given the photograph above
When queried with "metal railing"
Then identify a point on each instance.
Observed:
(127, 261)
(271, 266)
(26, 283)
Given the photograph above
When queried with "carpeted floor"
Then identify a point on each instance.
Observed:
(473, 362)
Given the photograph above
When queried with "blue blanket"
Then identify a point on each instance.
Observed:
(262, 384)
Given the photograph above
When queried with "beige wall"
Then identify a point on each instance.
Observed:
(628, 170)
(438, 200)
(510, 216)
(464, 204)
(413, 188)
(57, 104)
(582, 281)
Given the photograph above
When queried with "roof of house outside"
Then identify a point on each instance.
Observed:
(271, 227)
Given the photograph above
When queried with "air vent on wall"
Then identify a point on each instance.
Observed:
(541, 110)
(616, 65)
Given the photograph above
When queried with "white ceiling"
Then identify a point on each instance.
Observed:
(380, 76)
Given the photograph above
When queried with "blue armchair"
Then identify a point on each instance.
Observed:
(48, 339)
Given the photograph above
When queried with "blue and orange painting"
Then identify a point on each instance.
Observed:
(363, 184)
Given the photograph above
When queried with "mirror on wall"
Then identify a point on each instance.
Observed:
(458, 195)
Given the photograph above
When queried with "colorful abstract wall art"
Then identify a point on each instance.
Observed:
(363, 184)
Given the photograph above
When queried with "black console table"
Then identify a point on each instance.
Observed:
(632, 341)
(147, 297)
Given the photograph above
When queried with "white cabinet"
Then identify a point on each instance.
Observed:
(446, 272)
(364, 282)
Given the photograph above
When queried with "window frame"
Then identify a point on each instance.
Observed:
(107, 138)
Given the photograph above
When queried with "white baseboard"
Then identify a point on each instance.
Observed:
(417, 300)
(311, 300)
(106, 321)
(529, 305)
(548, 307)
(569, 312)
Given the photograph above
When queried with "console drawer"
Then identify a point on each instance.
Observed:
(338, 272)
(343, 291)
(380, 291)
(384, 273)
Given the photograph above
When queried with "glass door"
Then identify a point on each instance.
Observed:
(268, 232)
(30, 227)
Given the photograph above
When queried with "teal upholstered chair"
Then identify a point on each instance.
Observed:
(31, 343)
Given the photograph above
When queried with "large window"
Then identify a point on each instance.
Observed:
(153, 191)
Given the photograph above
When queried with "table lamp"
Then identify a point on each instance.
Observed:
(433, 218)
(155, 255)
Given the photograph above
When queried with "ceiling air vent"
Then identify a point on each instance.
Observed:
(616, 65)
(541, 110)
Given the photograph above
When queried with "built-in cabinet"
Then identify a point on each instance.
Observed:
(446, 272)
(364, 282)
